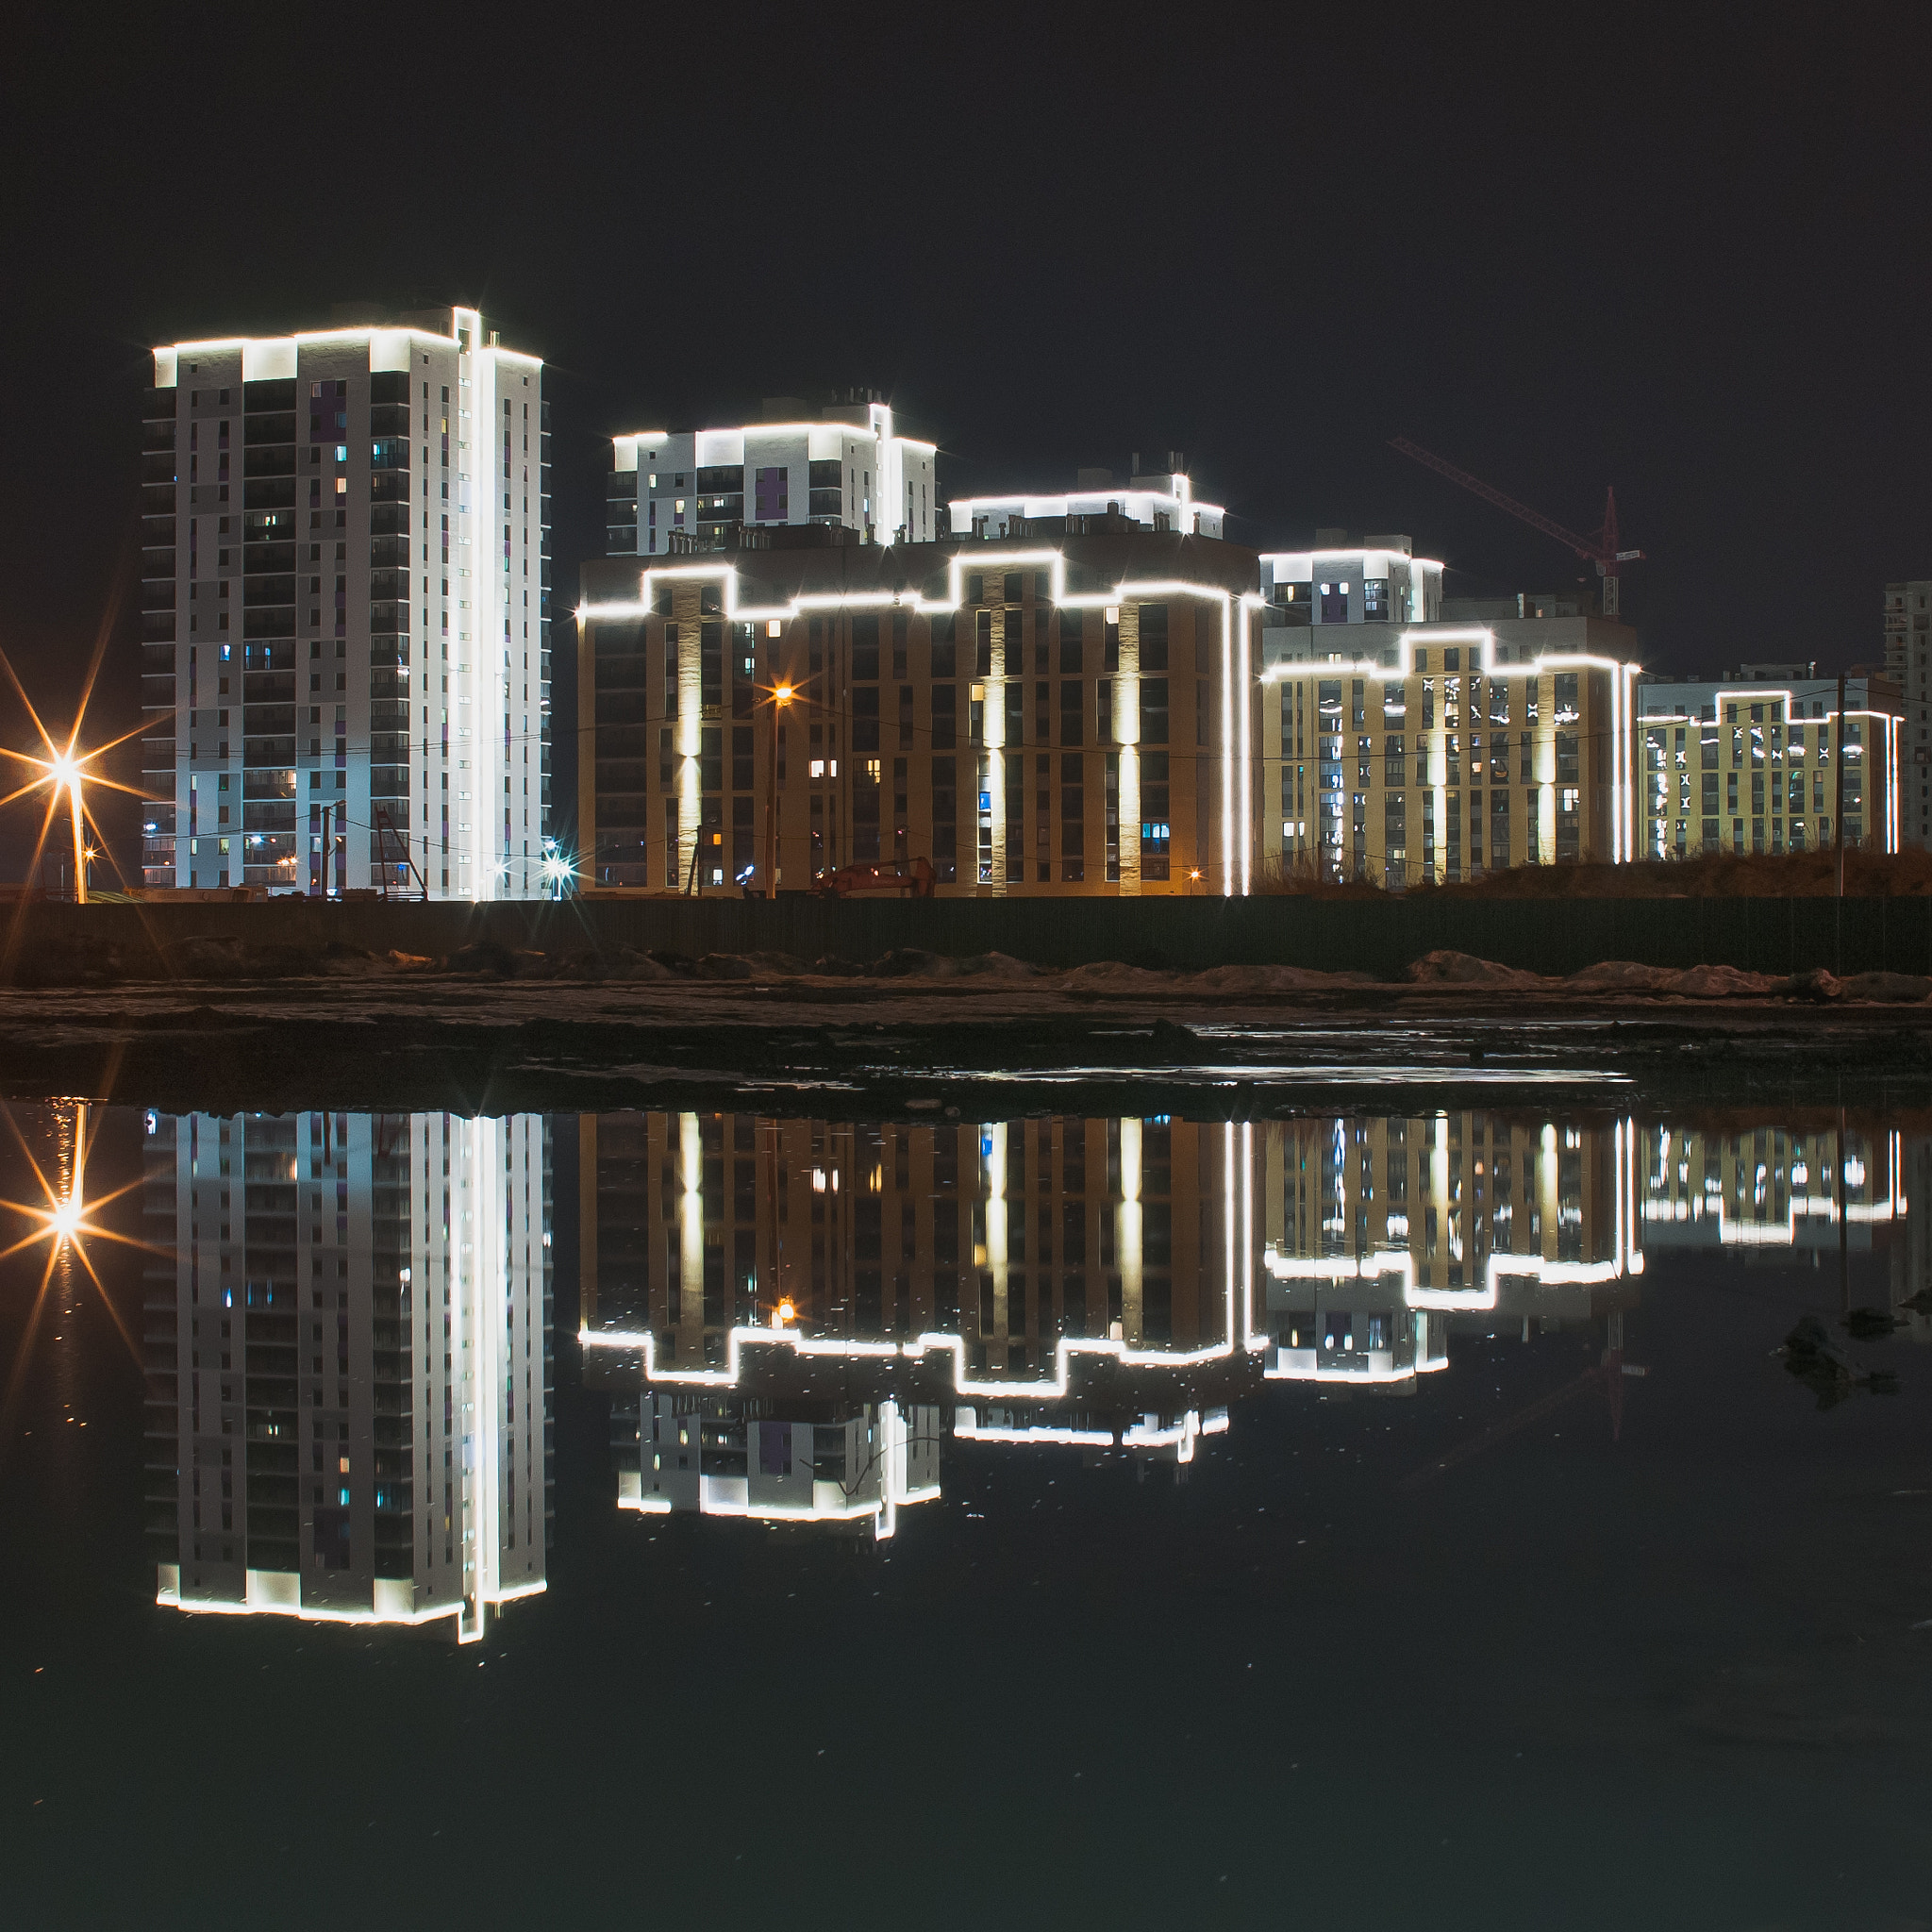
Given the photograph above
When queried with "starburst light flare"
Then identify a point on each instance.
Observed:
(63, 772)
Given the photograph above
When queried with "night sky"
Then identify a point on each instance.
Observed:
(1682, 256)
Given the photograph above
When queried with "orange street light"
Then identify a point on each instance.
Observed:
(782, 695)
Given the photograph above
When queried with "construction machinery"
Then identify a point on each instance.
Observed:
(1601, 550)
(913, 877)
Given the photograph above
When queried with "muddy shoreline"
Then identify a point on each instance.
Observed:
(882, 1049)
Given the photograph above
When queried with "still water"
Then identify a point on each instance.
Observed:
(1484, 1517)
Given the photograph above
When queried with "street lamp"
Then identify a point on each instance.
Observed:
(63, 772)
(782, 695)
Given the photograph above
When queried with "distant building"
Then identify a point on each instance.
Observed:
(1375, 580)
(1161, 501)
(300, 1461)
(1749, 763)
(346, 612)
(846, 467)
(1908, 649)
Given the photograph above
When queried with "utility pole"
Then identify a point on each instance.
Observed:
(1838, 839)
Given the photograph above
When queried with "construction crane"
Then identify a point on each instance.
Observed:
(1600, 550)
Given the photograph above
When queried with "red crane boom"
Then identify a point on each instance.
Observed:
(1600, 550)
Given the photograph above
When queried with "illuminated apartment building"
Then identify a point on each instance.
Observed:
(349, 1364)
(1379, 581)
(1441, 754)
(1404, 739)
(846, 467)
(1066, 717)
(1750, 763)
(1162, 501)
(346, 612)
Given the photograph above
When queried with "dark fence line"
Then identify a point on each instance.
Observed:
(1378, 937)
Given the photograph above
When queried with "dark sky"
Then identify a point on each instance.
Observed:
(1680, 252)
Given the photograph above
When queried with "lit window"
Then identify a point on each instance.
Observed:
(818, 768)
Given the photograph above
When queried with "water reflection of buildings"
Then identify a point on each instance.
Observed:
(775, 1302)
(349, 1362)
(1381, 1232)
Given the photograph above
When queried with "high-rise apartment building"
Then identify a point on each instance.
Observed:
(346, 612)
(847, 467)
(1908, 663)
(349, 1364)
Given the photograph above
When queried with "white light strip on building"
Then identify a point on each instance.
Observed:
(1180, 503)
(1365, 553)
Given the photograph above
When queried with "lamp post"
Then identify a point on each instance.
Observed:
(781, 699)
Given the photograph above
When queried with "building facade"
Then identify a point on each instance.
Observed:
(301, 1462)
(1753, 763)
(1377, 580)
(1440, 752)
(1908, 663)
(1049, 718)
(345, 612)
(846, 468)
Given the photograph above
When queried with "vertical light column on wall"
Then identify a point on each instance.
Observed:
(690, 1213)
(1126, 731)
(994, 712)
(993, 1140)
(690, 701)
(1127, 1247)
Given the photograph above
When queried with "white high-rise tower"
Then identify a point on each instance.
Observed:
(346, 612)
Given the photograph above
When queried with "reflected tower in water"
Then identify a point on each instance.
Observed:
(349, 1364)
